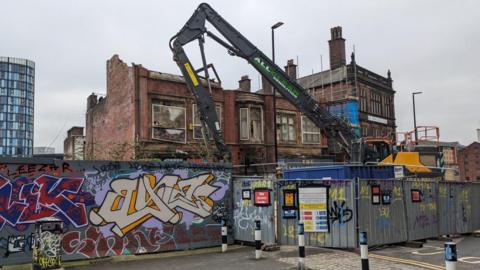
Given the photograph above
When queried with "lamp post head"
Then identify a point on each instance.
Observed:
(278, 24)
(416, 93)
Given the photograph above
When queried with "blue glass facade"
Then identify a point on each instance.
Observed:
(17, 84)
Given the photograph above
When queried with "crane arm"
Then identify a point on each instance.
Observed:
(339, 133)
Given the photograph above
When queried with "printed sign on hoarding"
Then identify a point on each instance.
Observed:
(313, 208)
(289, 201)
(261, 197)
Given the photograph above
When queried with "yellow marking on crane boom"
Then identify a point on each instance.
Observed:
(191, 74)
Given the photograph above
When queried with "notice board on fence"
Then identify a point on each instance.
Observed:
(313, 208)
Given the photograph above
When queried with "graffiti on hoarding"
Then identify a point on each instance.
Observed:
(46, 253)
(29, 170)
(16, 243)
(23, 201)
(92, 243)
(131, 202)
(340, 212)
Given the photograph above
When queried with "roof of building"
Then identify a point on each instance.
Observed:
(470, 145)
(440, 143)
(323, 78)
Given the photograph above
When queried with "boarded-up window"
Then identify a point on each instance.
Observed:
(197, 124)
(168, 123)
(256, 124)
(310, 132)
(244, 130)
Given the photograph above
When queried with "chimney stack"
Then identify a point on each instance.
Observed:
(291, 69)
(91, 101)
(337, 48)
(245, 83)
(478, 134)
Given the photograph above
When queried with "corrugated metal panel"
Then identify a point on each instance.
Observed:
(443, 208)
(463, 205)
(245, 212)
(342, 220)
(422, 216)
(446, 208)
(475, 199)
(384, 221)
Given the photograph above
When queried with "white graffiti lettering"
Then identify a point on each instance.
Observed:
(130, 202)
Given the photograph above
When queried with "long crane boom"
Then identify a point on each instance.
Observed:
(339, 133)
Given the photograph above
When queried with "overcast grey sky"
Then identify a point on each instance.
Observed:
(430, 46)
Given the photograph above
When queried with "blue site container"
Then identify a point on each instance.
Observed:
(340, 172)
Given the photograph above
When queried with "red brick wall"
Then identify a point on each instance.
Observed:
(110, 127)
(469, 162)
(112, 121)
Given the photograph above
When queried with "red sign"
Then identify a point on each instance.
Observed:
(261, 197)
(416, 195)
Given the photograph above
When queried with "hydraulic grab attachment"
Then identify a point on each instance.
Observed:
(339, 133)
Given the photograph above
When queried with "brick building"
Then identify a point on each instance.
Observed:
(469, 162)
(149, 114)
(74, 144)
(365, 98)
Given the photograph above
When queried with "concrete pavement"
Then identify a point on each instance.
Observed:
(432, 252)
(243, 258)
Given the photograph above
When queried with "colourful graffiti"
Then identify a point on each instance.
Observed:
(23, 201)
(133, 201)
(111, 208)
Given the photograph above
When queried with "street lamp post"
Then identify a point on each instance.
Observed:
(415, 117)
(275, 26)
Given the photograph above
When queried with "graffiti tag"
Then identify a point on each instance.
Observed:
(130, 202)
(340, 212)
(421, 221)
(46, 253)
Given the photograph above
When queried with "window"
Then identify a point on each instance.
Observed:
(251, 124)
(197, 124)
(310, 132)
(376, 101)
(388, 107)
(286, 127)
(168, 123)
(363, 100)
(364, 131)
